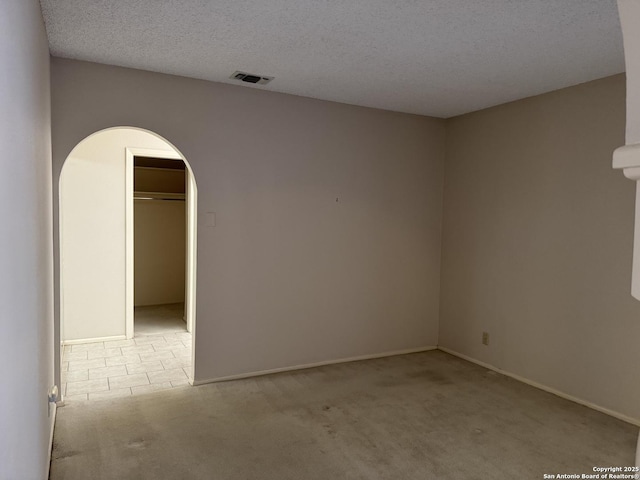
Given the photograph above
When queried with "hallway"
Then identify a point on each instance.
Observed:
(158, 358)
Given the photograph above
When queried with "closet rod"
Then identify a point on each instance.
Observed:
(160, 199)
(164, 196)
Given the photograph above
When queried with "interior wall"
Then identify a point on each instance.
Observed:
(159, 239)
(26, 269)
(319, 228)
(537, 242)
(630, 19)
(164, 180)
(629, 11)
(92, 240)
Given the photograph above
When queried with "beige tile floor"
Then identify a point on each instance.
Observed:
(158, 357)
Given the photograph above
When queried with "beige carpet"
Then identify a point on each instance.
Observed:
(159, 319)
(419, 416)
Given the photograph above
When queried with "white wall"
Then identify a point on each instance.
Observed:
(159, 258)
(288, 275)
(537, 240)
(92, 226)
(26, 318)
(160, 238)
(630, 21)
(629, 11)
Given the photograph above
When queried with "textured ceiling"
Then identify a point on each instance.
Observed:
(430, 57)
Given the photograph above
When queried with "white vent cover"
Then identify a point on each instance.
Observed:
(250, 77)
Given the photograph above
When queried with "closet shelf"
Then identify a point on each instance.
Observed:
(159, 196)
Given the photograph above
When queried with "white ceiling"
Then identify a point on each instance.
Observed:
(430, 57)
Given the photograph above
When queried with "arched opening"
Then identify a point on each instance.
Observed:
(127, 245)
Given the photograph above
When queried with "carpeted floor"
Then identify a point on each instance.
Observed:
(419, 416)
(159, 319)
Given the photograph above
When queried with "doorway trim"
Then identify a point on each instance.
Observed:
(192, 195)
(130, 154)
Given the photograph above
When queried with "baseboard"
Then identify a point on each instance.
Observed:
(94, 340)
(312, 365)
(54, 410)
(566, 396)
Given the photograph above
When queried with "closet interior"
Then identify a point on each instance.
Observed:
(159, 212)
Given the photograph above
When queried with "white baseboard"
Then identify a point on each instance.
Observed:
(312, 365)
(566, 396)
(94, 340)
(54, 410)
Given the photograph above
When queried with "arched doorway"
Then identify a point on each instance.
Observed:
(116, 186)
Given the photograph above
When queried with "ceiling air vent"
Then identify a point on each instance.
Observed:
(250, 78)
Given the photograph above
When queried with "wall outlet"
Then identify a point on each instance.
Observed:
(485, 338)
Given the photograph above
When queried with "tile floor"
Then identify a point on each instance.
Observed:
(157, 358)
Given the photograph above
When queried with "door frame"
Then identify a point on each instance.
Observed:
(130, 153)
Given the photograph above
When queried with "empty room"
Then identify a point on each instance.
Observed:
(310, 240)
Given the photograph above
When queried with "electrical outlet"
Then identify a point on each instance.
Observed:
(485, 338)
